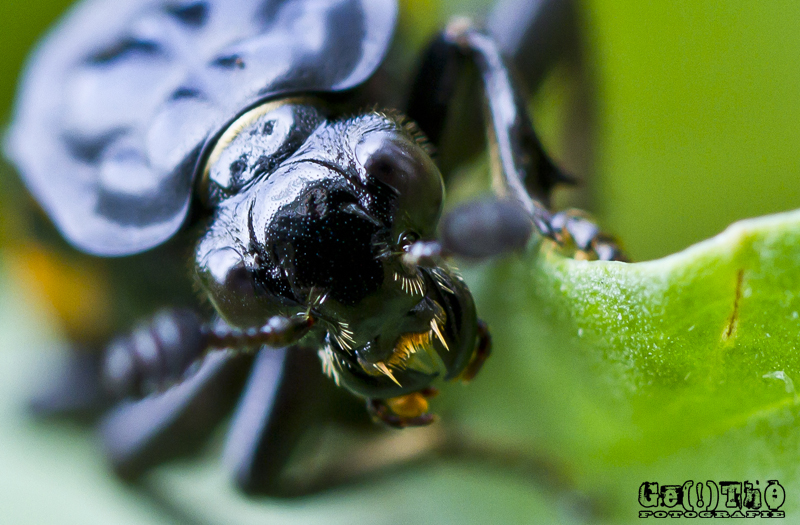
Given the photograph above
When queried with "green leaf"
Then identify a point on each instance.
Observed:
(691, 356)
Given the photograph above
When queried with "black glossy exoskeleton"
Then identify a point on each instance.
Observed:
(233, 126)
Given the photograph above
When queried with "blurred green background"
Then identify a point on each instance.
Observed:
(697, 125)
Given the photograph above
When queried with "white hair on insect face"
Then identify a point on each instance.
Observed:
(412, 285)
(326, 358)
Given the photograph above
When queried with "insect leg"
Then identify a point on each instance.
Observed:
(523, 174)
(544, 39)
(575, 230)
(535, 35)
(517, 152)
(285, 396)
(138, 435)
(73, 389)
(158, 352)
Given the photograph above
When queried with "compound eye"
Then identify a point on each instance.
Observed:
(389, 162)
(231, 287)
(227, 274)
(399, 163)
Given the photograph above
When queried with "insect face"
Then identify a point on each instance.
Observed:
(323, 231)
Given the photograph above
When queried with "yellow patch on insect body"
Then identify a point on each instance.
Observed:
(408, 406)
(407, 346)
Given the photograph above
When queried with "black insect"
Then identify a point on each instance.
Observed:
(143, 127)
